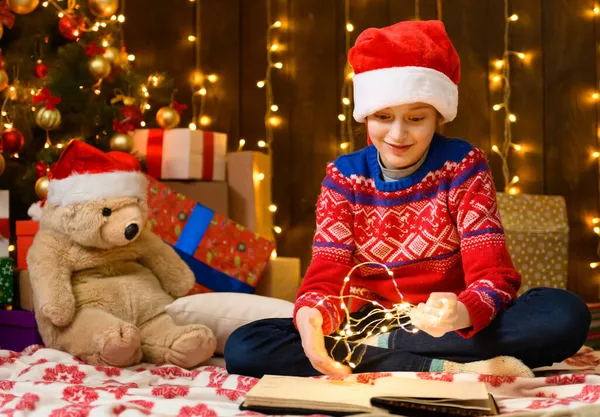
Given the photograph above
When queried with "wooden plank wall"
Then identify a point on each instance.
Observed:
(557, 120)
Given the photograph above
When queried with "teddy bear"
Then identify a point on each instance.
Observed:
(100, 280)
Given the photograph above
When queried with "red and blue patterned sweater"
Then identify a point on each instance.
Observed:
(438, 230)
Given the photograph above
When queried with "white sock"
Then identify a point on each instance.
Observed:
(499, 366)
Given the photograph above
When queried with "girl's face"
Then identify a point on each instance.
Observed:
(402, 133)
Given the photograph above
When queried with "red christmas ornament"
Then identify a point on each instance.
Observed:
(41, 69)
(12, 140)
(133, 115)
(41, 169)
(71, 26)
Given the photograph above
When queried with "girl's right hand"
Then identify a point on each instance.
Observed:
(310, 321)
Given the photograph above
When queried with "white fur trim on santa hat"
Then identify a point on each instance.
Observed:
(79, 188)
(377, 89)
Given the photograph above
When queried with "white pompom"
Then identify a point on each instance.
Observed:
(35, 211)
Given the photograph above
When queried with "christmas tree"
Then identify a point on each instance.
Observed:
(65, 74)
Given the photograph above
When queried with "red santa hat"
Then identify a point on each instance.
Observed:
(408, 62)
(85, 173)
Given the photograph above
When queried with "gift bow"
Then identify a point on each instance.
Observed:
(45, 97)
(179, 108)
(93, 49)
(7, 18)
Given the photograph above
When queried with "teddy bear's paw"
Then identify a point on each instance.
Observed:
(192, 348)
(120, 345)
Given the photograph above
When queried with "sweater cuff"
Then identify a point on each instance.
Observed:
(326, 307)
(481, 313)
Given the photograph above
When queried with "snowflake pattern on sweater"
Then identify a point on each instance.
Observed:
(438, 230)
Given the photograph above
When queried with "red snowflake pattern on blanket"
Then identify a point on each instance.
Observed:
(6, 398)
(216, 380)
(436, 376)
(148, 405)
(173, 372)
(28, 401)
(371, 377)
(584, 359)
(7, 385)
(118, 389)
(72, 411)
(64, 373)
(589, 394)
(109, 370)
(33, 365)
(496, 381)
(200, 410)
(170, 391)
(11, 358)
(565, 379)
(80, 394)
(542, 404)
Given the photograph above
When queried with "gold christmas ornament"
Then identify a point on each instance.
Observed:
(23, 6)
(113, 55)
(2, 164)
(48, 119)
(103, 8)
(3, 80)
(167, 117)
(99, 67)
(41, 187)
(121, 142)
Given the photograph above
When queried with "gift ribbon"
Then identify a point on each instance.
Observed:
(154, 152)
(187, 244)
(208, 156)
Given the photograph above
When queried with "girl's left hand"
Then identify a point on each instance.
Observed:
(441, 314)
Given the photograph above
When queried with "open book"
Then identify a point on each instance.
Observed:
(409, 397)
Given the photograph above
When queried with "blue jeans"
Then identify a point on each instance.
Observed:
(541, 327)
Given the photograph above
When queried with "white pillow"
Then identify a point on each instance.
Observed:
(224, 312)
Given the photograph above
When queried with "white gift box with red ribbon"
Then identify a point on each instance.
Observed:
(182, 154)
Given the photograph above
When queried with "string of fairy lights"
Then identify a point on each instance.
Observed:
(345, 117)
(594, 14)
(500, 76)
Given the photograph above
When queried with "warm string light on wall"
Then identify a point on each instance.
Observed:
(595, 97)
(500, 75)
(345, 117)
(200, 81)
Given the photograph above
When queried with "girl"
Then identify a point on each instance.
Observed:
(425, 206)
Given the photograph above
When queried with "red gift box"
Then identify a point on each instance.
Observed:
(26, 230)
(224, 256)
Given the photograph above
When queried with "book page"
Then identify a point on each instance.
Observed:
(424, 388)
(312, 391)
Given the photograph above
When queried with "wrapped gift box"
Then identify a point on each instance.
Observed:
(249, 178)
(6, 282)
(537, 237)
(25, 291)
(26, 230)
(211, 194)
(182, 154)
(4, 223)
(281, 279)
(18, 330)
(224, 256)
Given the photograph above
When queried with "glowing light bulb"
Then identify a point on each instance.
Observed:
(596, 220)
(514, 18)
(521, 55)
(350, 75)
(344, 145)
(212, 78)
(341, 117)
(274, 254)
(595, 96)
(274, 47)
(499, 63)
(517, 147)
(131, 57)
(274, 107)
(202, 91)
(242, 142)
(512, 118)
(59, 146)
(342, 306)
(495, 148)
(597, 230)
(193, 126)
(277, 229)
(261, 143)
(11, 248)
(272, 208)
(346, 279)
(497, 107)
(596, 154)
(346, 101)
(191, 38)
(497, 78)
(513, 191)
(205, 120)
(260, 84)
(594, 265)
(596, 10)
(349, 27)
(278, 65)
(384, 329)
(143, 124)
(274, 121)
(277, 24)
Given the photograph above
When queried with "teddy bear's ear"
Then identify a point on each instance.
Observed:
(69, 212)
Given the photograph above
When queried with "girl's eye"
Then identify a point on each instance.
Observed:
(382, 116)
(415, 119)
